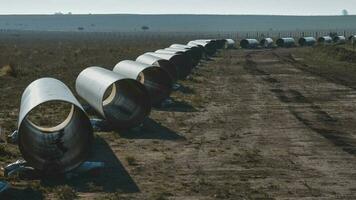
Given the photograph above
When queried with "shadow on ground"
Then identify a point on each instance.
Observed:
(151, 130)
(177, 106)
(112, 178)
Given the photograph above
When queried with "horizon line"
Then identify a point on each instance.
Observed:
(207, 14)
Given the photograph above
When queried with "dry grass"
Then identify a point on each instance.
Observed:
(8, 70)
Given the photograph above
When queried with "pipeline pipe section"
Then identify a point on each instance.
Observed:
(182, 62)
(123, 102)
(339, 39)
(249, 43)
(156, 80)
(352, 37)
(230, 44)
(221, 43)
(209, 46)
(157, 61)
(194, 56)
(307, 41)
(197, 51)
(285, 42)
(325, 40)
(57, 149)
(266, 43)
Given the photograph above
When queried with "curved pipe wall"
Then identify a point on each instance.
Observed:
(352, 37)
(57, 149)
(266, 43)
(209, 46)
(249, 43)
(163, 63)
(325, 40)
(307, 41)
(156, 80)
(339, 39)
(182, 62)
(285, 42)
(230, 44)
(194, 56)
(123, 102)
(197, 52)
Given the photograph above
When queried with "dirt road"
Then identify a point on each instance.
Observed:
(249, 125)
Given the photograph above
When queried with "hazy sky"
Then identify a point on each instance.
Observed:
(275, 7)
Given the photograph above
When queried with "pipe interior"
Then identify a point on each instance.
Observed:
(127, 105)
(280, 42)
(170, 69)
(244, 44)
(157, 82)
(183, 65)
(59, 149)
(57, 114)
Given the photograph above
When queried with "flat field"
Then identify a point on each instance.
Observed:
(248, 124)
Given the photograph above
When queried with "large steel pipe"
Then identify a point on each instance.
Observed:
(123, 102)
(182, 62)
(53, 148)
(221, 43)
(160, 62)
(325, 40)
(195, 57)
(266, 43)
(307, 41)
(230, 44)
(285, 42)
(339, 39)
(197, 52)
(209, 46)
(156, 80)
(249, 43)
(352, 37)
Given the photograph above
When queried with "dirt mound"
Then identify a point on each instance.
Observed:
(8, 70)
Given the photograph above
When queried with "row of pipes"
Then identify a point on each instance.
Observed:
(291, 42)
(122, 96)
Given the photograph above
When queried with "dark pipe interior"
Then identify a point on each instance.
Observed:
(183, 65)
(129, 106)
(158, 84)
(170, 69)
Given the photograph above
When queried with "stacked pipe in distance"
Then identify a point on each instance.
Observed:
(285, 42)
(325, 40)
(123, 102)
(221, 43)
(249, 43)
(156, 80)
(352, 37)
(230, 44)
(57, 149)
(266, 43)
(160, 62)
(182, 62)
(208, 45)
(339, 39)
(307, 41)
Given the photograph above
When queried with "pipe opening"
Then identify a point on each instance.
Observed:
(57, 149)
(157, 82)
(126, 103)
(57, 116)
